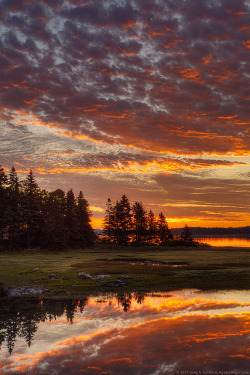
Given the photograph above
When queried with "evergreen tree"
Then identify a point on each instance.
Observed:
(164, 233)
(152, 227)
(186, 236)
(54, 235)
(123, 221)
(70, 219)
(109, 221)
(84, 233)
(31, 210)
(139, 223)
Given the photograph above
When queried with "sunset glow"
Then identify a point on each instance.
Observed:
(120, 334)
(143, 98)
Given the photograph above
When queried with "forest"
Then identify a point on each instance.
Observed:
(35, 218)
(125, 225)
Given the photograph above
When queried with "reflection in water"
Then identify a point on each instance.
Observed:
(127, 334)
(224, 241)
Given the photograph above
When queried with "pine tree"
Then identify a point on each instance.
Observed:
(164, 233)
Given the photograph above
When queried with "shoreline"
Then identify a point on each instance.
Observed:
(125, 269)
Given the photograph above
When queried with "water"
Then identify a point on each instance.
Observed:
(167, 333)
(224, 241)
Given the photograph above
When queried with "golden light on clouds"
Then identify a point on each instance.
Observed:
(142, 104)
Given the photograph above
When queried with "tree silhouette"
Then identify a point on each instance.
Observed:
(109, 225)
(84, 232)
(31, 217)
(31, 209)
(54, 235)
(70, 218)
(186, 236)
(139, 223)
(118, 221)
(123, 220)
(164, 233)
(152, 227)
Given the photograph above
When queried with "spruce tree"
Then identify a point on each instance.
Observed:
(54, 236)
(84, 233)
(139, 223)
(151, 227)
(164, 233)
(31, 206)
(109, 222)
(123, 221)
(186, 236)
(70, 219)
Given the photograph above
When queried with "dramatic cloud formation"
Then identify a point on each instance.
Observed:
(180, 331)
(129, 87)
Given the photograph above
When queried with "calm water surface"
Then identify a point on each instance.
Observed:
(170, 333)
(224, 241)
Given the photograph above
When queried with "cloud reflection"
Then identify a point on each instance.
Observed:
(183, 331)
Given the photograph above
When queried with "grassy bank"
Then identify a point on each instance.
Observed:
(206, 268)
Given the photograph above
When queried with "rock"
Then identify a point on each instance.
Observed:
(35, 269)
(124, 277)
(98, 277)
(84, 275)
(54, 276)
(110, 284)
(25, 290)
(119, 282)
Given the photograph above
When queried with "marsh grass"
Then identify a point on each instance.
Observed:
(208, 268)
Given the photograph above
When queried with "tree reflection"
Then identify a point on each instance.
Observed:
(124, 299)
(21, 317)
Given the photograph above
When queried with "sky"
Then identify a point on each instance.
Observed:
(144, 98)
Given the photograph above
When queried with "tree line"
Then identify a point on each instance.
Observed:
(33, 218)
(125, 225)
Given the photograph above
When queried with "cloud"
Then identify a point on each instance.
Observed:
(209, 343)
(127, 86)
(67, 65)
